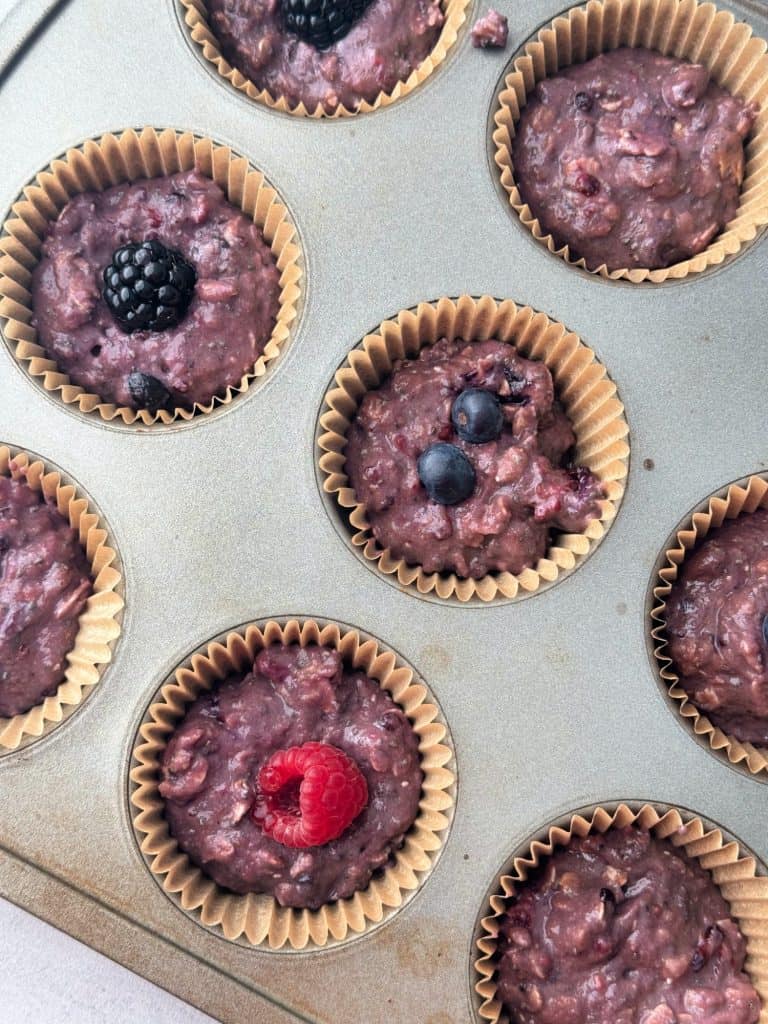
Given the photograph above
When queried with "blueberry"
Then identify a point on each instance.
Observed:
(446, 473)
(147, 392)
(583, 101)
(477, 416)
(765, 629)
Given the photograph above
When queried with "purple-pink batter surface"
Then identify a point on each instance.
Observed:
(293, 696)
(44, 585)
(388, 42)
(522, 492)
(231, 315)
(621, 928)
(632, 159)
(715, 624)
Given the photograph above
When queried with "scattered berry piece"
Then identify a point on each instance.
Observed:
(309, 795)
(446, 474)
(148, 287)
(582, 480)
(490, 31)
(587, 184)
(147, 392)
(707, 947)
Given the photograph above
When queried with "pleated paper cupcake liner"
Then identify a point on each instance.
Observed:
(733, 871)
(258, 919)
(736, 500)
(196, 19)
(99, 625)
(113, 160)
(582, 384)
(686, 29)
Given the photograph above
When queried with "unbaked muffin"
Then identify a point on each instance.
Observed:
(633, 159)
(717, 627)
(298, 780)
(336, 54)
(44, 586)
(461, 461)
(622, 928)
(155, 294)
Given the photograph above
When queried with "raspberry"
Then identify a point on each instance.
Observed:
(308, 795)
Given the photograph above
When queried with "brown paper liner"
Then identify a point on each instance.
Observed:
(107, 161)
(734, 501)
(582, 385)
(676, 28)
(196, 20)
(99, 622)
(734, 872)
(259, 919)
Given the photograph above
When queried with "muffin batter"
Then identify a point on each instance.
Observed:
(44, 586)
(632, 159)
(229, 320)
(521, 491)
(620, 928)
(717, 629)
(389, 41)
(211, 764)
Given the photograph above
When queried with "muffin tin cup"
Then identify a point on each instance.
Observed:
(259, 919)
(697, 32)
(734, 872)
(582, 384)
(99, 622)
(737, 500)
(113, 160)
(195, 13)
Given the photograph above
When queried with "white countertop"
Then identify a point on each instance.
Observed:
(96, 991)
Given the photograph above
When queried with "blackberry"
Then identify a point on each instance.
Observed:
(148, 287)
(321, 23)
(148, 392)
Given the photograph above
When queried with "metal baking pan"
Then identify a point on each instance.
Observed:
(552, 702)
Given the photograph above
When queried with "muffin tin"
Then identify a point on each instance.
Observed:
(552, 703)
